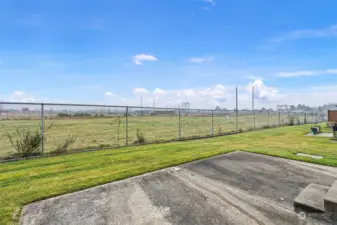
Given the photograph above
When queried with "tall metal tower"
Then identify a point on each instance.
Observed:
(284, 107)
(185, 105)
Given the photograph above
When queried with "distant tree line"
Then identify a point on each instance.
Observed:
(291, 108)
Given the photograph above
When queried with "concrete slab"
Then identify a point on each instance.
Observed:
(236, 189)
(311, 156)
(321, 135)
(312, 197)
(330, 200)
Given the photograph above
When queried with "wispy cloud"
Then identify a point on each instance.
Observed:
(253, 77)
(21, 96)
(199, 59)
(159, 91)
(138, 59)
(306, 73)
(109, 94)
(306, 33)
(212, 2)
(138, 91)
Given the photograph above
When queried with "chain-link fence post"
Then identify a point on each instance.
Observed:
(179, 128)
(279, 118)
(212, 122)
(126, 126)
(237, 110)
(268, 118)
(42, 127)
(253, 105)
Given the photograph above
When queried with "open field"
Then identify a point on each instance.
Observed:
(23, 182)
(108, 132)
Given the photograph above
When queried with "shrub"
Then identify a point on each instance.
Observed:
(140, 137)
(104, 146)
(265, 126)
(84, 114)
(118, 123)
(63, 115)
(63, 147)
(249, 129)
(293, 120)
(27, 143)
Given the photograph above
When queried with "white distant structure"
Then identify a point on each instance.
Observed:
(331, 106)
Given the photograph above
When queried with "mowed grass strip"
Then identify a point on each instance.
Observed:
(23, 182)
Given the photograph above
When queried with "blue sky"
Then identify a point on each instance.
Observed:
(111, 52)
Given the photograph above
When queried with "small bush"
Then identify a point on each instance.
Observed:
(249, 129)
(240, 130)
(63, 115)
(104, 146)
(293, 120)
(265, 126)
(118, 123)
(27, 143)
(82, 114)
(63, 147)
(140, 137)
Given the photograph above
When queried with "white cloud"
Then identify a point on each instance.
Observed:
(307, 33)
(20, 96)
(138, 59)
(252, 77)
(212, 2)
(138, 91)
(159, 91)
(207, 97)
(109, 94)
(199, 60)
(306, 73)
(261, 91)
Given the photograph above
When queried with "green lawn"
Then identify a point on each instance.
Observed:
(97, 132)
(23, 182)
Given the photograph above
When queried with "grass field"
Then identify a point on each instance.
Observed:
(105, 132)
(23, 182)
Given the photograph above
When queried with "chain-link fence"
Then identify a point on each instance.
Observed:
(29, 128)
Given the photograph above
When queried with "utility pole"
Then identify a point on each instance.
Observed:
(154, 103)
(141, 105)
(237, 110)
(253, 104)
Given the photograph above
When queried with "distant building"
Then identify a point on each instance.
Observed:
(298, 111)
(164, 113)
(331, 106)
(332, 115)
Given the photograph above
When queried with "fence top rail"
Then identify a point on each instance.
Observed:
(107, 106)
(244, 111)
